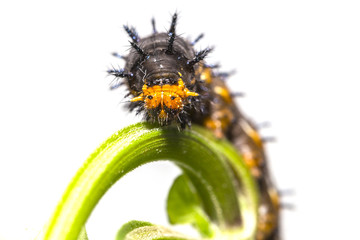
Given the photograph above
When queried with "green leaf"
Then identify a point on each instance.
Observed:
(184, 206)
(147, 231)
(203, 158)
(130, 226)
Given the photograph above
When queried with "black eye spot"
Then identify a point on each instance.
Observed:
(150, 97)
(172, 97)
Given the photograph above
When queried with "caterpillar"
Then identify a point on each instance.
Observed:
(170, 82)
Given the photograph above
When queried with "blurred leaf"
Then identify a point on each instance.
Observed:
(147, 231)
(184, 207)
(130, 226)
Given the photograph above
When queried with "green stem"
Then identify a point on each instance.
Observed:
(198, 154)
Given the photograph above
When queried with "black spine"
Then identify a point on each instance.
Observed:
(197, 39)
(139, 50)
(132, 33)
(171, 35)
(153, 25)
(199, 56)
(119, 73)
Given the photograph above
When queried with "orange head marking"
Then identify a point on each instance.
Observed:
(165, 97)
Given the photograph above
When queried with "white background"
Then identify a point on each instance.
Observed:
(297, 62)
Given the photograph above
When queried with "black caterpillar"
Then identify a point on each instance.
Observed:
(170, 82)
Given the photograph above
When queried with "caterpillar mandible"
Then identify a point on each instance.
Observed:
(170, 82)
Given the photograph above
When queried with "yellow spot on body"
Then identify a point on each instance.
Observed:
(268, 214)
(275, 198)
(252, 133)
(219, 122)
(215, 126)
(252, 161)
(206, 75)
(224, 93)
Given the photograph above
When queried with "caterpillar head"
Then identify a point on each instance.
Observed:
(160, 74)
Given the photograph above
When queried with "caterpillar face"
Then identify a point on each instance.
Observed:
(160, 73)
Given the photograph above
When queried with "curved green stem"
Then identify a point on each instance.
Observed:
(198, 154)
(247, 194)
